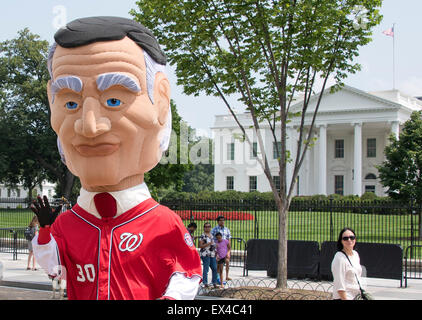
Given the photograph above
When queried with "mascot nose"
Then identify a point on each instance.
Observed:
(91, 124)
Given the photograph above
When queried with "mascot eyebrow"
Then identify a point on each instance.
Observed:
(69, 82)
(104, 81)
(107, 80)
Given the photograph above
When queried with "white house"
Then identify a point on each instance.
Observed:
(47, 189)
(352, 129)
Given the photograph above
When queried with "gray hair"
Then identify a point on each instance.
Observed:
(152, 67)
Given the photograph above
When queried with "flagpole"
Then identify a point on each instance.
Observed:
(394, 64)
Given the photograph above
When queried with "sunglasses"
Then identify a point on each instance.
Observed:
(347, 238)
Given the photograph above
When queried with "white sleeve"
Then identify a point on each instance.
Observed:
(182, 288)
(338, 269)
(47, 256)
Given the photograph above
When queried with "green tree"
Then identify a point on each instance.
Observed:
(401, 172)
(264, 52)
(169, 173)
(29, 153)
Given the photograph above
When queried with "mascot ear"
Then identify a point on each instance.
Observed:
(162, 96)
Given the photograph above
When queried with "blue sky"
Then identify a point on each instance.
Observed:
(376, 58)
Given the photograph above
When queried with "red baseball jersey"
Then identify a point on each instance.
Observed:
(132, 256)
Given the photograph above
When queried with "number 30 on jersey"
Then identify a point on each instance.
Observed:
(86, 273)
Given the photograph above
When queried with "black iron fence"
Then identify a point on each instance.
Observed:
(375, 221)
(15, 216)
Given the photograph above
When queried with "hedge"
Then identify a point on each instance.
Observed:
(232, 195)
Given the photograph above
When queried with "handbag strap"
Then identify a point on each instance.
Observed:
(353, 268)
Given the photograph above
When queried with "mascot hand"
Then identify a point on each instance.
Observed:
(45, 214)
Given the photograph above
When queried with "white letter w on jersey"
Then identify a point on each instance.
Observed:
(130, 241)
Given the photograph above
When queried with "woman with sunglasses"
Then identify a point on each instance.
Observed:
(345, 286)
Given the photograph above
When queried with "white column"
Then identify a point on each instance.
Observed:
(395, 128)
(357, 163)
(322, 185)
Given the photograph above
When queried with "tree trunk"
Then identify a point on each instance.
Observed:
(282, 244)
(67, 184)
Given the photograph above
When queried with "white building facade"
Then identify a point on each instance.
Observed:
(19, 192)
(352, 129)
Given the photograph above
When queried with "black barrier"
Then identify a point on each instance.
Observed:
(328, 250)
(302, 257)
(305, 260)
(379, 259)
(261, 254)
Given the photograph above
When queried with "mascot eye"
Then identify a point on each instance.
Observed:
(113, 102)
(71, 105)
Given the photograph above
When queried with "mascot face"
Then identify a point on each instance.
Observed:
(108, 128)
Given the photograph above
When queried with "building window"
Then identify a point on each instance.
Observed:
(18, 193)
(230, 183)
(339, 149)
(370, 188)
(339, 185)
(230, 151)
(254, 150)
(371, 148)
(9, 193)
(370, 176)
(276, 180)
(276, 149)
(252, 183)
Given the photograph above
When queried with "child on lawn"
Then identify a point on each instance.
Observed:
(223, 253)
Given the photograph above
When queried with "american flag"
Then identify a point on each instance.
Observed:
(389, 32)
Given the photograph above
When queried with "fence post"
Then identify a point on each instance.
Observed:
(192, 219)
(15, 245)
(331, 218)
(412, 211)
(256, 231)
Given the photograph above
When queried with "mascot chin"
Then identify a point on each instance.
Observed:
(109, 99)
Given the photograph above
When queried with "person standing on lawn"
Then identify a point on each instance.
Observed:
(225, 234)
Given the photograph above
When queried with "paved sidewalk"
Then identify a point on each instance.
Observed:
(15, 275)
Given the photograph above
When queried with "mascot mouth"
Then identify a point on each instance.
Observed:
(102, 149)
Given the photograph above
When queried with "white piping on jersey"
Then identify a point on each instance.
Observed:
(99, 246)
(111, 243)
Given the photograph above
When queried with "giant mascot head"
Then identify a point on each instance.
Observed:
(110, 101)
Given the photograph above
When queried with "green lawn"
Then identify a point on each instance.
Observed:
(311, 226)
(15, 218)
